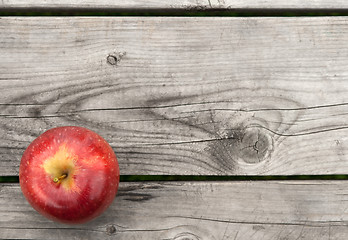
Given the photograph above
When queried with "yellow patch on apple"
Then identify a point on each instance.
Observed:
(61, 167)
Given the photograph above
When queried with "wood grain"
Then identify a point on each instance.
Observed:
(196, 210)
(191, 96)
(174, 4)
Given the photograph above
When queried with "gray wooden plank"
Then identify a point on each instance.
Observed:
(196, 210)
(191, 96)
(175, 4)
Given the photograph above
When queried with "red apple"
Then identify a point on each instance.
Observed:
(69, 174)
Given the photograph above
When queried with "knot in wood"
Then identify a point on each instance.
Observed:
(112, 60)
(255, 145)
(187, 232)
(115, 58)
(186, 236)
(110, 229)
(249, 144)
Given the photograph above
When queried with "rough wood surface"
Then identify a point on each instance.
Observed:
(175, 4)
(196, 210)
(194, 96)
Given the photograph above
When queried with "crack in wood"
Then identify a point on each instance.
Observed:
(315, 224)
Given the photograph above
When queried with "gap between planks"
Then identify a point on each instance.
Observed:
(207, 178)
(188, 5)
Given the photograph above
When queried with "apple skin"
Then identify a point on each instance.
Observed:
(69, 174)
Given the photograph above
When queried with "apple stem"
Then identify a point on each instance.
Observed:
(57, 179)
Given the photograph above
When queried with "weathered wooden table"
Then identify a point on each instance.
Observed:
(179, 98)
